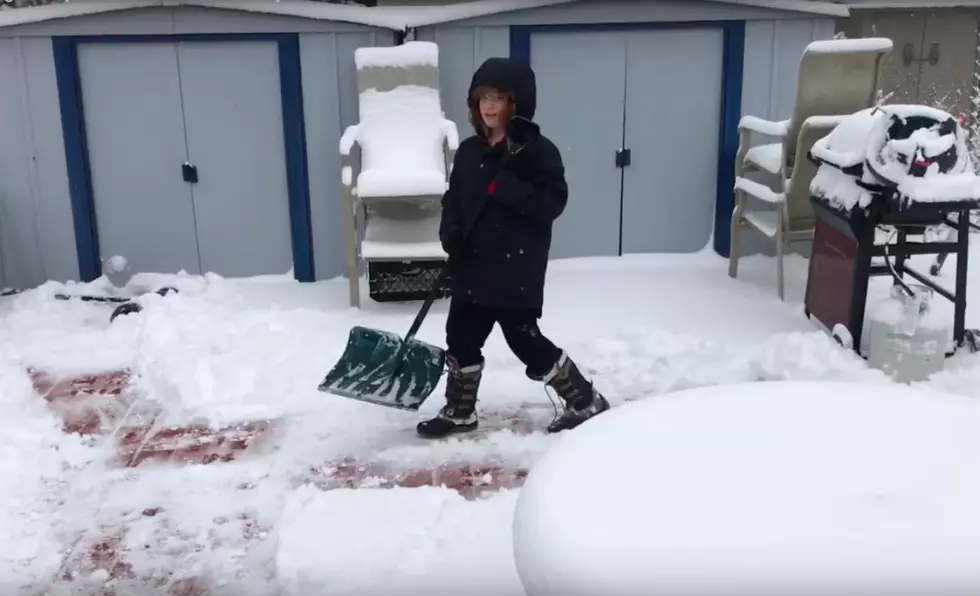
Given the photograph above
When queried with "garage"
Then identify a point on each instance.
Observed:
(182, 139)
(187, 154)
(197, 136)
(202, 136)
(636, 148)
(643, 98)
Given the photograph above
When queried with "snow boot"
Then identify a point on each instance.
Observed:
(459, 413)
(581, 399)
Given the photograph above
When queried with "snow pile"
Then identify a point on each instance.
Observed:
(225, 350)
(845, 145)
(844, 46)
(844, 148)
(394, 541)
(759, 489)
(402, 131)
(116, 264)
(38, 466)
(413, 53)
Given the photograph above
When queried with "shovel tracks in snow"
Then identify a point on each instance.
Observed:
(104, 405)
(472, 477)
(106, 559)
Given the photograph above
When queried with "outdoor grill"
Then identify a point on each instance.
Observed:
(899, 169)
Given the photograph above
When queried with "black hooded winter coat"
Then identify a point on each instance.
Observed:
(498, 212)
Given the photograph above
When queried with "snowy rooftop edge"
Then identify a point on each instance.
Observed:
(396, 18)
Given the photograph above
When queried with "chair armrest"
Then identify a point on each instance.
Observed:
(767, 128)
(348, 139)
(452, 134)
(759, 191)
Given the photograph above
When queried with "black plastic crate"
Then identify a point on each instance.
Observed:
(405, 281)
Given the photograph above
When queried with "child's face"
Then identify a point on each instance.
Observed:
(493, 110)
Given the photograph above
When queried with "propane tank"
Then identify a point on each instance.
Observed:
(904, 340)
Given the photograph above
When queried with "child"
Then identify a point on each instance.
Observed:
(506, 188)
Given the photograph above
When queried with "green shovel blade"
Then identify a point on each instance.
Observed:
(381, 368)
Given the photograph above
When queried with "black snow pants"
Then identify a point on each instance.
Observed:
(469, 325)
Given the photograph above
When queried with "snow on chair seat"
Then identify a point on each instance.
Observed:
(393, 240)
(400, 183)
(836, 77)
(406, 149)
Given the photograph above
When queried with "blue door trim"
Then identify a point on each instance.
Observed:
(733, 59)
(76, 146)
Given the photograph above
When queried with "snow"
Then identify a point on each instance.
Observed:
(854, 142)
(412, 53)
(394, 239)
(761, 489)
(768, 157)
(766, 221)
(323, 545)
(116, 264)
(933, 188)
(844, 46)
(845, 145)
(961, 183)
(403, 132)
(224, 351)
(838, 188)
(759, 191)
(379, 250)
(767, 128)
(401, 180)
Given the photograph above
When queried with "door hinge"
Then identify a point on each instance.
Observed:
(623, 158)
(190, 173)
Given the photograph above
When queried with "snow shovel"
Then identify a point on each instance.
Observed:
(379, 367)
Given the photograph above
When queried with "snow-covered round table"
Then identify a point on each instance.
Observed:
(782, 488)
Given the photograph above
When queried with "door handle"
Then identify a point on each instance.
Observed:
(933, 58)
(190, 173)
(623, 157)
(908, 54)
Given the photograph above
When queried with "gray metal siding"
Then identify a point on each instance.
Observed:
(330, 101)
(183, 20)
(772, 57)
(773, 48)
(772, 53)
(628, 11)
(461, 50)
(37, 241)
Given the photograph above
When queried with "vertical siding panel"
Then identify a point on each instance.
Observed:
(757, 73)
(15, 182)
(321, 99)
(54, 222)
(457, 59)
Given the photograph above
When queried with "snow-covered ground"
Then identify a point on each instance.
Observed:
(228, 351)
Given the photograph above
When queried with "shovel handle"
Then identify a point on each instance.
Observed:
(429, 301)
(437, 284)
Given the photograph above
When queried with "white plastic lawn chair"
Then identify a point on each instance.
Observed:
(788, 216)
(407, 147)
(836, 77)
